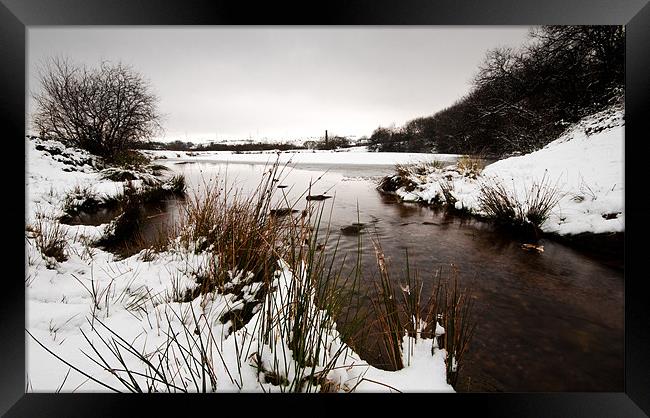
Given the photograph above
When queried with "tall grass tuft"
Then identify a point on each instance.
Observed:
(451, 305)
(505, 206)
(81, 198)
(540, 201)
(447, 189)
(386, 309)
(236, 228)
(470, 166)
(50, 238)
(499, 203)
(447, 315)
(177, 184)
(420, 168)
(297, 316)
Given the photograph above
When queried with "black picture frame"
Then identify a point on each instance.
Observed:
(17, 15)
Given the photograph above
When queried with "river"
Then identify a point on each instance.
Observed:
(550, 321)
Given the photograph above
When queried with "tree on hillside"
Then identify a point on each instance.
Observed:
(310, 145)
(105, 110)
(523, 98)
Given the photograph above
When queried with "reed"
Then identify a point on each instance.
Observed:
(508, 208)
(451, 306)
(50, 238)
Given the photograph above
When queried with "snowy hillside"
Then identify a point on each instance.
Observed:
(585, 165)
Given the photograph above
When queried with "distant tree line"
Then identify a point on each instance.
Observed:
(190, 146)
(331, 143)
(521, 99)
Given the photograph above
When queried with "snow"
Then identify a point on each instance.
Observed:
(91, 292)
(588, 169)
(48, 179)
(138, 305)
(354, 155)
(585, 164)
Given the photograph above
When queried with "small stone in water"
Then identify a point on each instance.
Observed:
(533, 247)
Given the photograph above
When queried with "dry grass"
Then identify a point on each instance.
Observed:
(315, 296)
(505, 206)
(406, 174)
(177, 184)
(247, 242)
(470, 166)
(390, 184)
(386, 309)
(448, 305)
(447, 188)
(540, 201)
(451, 305)
(237, 228)
(50, 238)
(499, 203)
(420, 168)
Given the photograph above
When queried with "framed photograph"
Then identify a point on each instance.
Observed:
(365, 199)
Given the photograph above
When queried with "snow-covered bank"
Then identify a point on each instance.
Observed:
(54, 170)
(141, 299)
(355, 155)
(585, 165)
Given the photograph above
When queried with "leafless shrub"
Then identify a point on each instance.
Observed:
(104, 110)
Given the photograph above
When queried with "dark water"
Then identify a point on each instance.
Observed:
(545, 322)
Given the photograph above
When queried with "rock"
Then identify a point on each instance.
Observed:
(609, 216)
(318, 197)
(283, 211)
(353, 229)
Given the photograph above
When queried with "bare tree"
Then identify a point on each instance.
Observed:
(104, 110)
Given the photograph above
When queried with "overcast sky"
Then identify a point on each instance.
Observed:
(240, 82)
